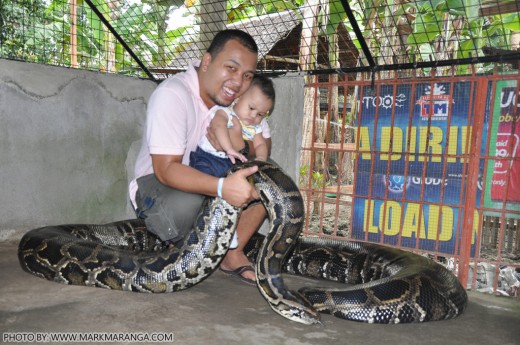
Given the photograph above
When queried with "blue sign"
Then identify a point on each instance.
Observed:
(413, 143)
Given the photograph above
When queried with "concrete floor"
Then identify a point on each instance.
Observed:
(222, 310)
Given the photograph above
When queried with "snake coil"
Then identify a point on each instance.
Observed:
(385, 285)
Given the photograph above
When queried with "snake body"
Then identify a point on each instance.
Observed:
(383, 284)
(125, 256)
(390, 285)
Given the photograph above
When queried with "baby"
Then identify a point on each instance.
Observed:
(233, 127)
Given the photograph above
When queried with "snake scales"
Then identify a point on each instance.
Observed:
(389, 285)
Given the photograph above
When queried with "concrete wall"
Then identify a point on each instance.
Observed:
(65, 136)
(286, 124)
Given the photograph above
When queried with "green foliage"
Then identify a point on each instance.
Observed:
(39, 30)
(20, 41)
(335, 16)
(304, 174)
(317, 178)
(242, 9)
(431, 21)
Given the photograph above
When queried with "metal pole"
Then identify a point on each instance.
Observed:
(472, 180)
(119, 38)
(359, 34)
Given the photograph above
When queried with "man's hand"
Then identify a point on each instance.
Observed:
(237, 190)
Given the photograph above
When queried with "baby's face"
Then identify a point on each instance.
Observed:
(253, 106)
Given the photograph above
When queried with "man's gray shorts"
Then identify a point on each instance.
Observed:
(169, 213)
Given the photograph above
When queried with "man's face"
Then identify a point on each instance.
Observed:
(227, 75)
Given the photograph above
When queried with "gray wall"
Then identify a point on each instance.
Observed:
(64, 138)
(286, 123)
(66, 134)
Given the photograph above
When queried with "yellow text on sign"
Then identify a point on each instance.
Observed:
(416, 140)
(440, 219)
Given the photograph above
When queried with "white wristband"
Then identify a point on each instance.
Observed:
(219, 187)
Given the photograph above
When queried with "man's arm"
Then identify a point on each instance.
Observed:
(236, 190)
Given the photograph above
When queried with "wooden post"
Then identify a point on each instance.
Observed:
(73, 35)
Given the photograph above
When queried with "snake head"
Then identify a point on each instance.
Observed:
(298, 313)
(293, 306)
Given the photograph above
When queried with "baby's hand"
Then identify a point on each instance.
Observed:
(232, 154)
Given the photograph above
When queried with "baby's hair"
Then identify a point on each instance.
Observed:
(266, 86)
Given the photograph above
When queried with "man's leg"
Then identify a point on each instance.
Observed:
(249, 222)
(169, 213)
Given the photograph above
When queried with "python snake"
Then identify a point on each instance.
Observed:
(385, 285)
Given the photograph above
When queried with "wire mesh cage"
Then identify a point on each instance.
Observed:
(152, 39)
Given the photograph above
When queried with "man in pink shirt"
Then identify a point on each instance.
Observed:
(166, 191)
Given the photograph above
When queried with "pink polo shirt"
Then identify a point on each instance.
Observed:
(176, 120)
